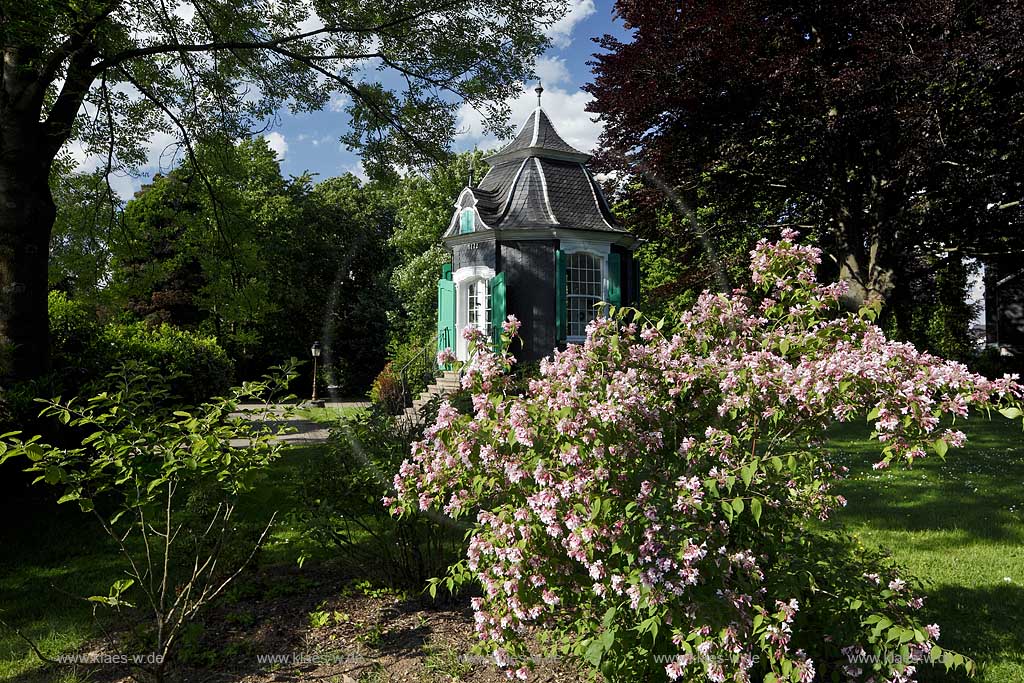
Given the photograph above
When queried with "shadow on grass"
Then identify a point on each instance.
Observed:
(985, 623)
(976, 494)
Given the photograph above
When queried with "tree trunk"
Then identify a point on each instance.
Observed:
(862, 265)
(27, 214)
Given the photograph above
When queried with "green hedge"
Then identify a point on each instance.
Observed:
(83, 351)
(198, 366)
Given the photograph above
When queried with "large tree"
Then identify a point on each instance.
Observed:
(892, 130)
(113, 73)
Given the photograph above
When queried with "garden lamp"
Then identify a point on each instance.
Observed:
(315, 352)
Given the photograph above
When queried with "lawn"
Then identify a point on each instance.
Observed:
(54, 556)
(958, 524)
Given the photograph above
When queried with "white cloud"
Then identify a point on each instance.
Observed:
(186, 11)
(552, 71)
(357, 169)
(164, 153)
(312, 22)
(567, 111)
(560, 32)
(277, 143)
(339, 101)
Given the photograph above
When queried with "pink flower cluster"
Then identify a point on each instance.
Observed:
(652, 472)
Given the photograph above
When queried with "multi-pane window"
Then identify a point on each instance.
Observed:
(478, 305)
(584, 289)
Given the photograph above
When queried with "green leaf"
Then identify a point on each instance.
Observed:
(1011, 413)
(727, 509)
(784, 347)
(53, 474)
(940, 447)
(737, 505)
(594, 652)
(747, 474)
(755, 510)
(873, 414)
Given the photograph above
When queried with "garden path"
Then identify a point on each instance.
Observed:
(306, 431)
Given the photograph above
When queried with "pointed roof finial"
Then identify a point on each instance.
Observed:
(539, 90)
(472, 166)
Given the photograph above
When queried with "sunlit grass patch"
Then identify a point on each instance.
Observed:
(959, 525)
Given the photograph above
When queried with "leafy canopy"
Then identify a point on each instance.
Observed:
(891, 129)
(113, 73)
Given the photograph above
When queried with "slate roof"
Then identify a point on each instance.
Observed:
(539, 181)
(537, 135)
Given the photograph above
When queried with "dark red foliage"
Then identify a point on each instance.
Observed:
(891, 126)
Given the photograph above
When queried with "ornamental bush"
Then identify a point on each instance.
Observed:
(647, 504)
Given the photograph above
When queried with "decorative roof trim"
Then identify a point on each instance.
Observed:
(535, 148)
(544, 188)
(543, 152)
(597, 198)
(511, 191)
(623, 239)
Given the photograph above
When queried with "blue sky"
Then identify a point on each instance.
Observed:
(310, 141)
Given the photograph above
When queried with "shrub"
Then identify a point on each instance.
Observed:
(198, 366)
(340, 504)
(646, 504)
(74, 329)
(83, 351)
(163, 484)
(387, 390)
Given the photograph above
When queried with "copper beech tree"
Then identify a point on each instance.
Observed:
(892, 129)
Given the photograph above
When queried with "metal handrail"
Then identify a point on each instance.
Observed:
(422, 364)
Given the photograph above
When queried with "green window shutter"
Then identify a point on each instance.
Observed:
(497, 290)
(446, 271)
(466, 221)
(445, 314)
(635, 294)
(614, 279)
(560, 297)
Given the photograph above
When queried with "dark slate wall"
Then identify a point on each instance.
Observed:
(474, 254)
(529, 269)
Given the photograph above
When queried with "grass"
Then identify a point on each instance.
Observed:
(55, 556)
(958, 524)
(328, 415)
(52, 558)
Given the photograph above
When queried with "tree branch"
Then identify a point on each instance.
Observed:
(216, 46)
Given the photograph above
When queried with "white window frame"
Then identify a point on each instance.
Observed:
(463, 278)
(598, 250)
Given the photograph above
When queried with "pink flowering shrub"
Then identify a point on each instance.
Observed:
(644, 505)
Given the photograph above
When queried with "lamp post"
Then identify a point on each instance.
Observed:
(315, 352)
